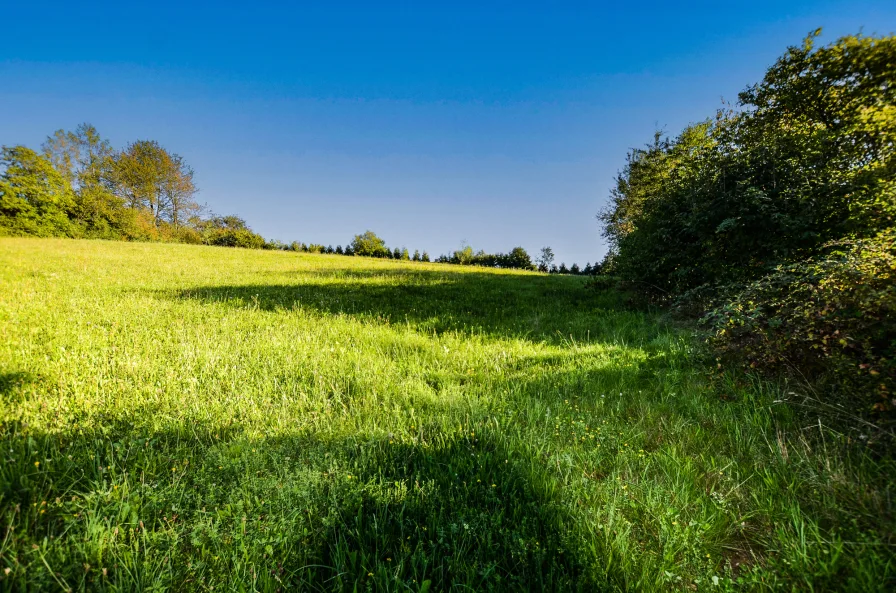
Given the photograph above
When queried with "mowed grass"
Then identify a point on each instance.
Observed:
(191, 418)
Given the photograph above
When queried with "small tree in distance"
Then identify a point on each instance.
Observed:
(369, 245)
(546, 260)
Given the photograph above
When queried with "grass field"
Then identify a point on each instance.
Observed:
(192, 418)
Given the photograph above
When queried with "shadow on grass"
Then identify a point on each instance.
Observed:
(207, 506)
(12, 383)
(538, 308)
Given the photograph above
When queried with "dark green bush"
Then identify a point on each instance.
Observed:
(830, 319)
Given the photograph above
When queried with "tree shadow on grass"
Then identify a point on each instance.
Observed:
(209, 506)
(532, 307)
(11, 384)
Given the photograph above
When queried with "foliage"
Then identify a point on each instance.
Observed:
(517, 259)
(146, 176)
(369, 244)
(185, 418)
(545, 259)
(809, 159)
(234, 238)
(35, 199)
(833, 315)
(750, 203)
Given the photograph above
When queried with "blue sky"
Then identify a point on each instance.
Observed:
(495, 123)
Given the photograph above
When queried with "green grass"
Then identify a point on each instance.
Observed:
(192, 418)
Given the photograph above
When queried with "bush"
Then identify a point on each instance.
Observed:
(833, 317)
(189, 235)
(234, 238)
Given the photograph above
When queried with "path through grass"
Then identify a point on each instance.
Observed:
(192, 418)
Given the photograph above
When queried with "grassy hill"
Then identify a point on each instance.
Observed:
(194, 418)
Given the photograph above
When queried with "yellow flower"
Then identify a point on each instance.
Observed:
(36, 463)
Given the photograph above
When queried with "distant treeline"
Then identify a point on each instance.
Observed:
(368, 244)
(774, 220)
(79, 186)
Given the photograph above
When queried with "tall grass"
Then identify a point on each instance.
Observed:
(194, 418)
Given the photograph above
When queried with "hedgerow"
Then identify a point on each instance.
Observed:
(830, 318)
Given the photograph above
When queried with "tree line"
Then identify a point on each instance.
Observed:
(78, 185)
(773, 220)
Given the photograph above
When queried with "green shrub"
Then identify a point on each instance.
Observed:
(35, 199)
(832, 316)
(234, 238)
(188, 235)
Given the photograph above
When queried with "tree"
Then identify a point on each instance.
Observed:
(35, 199)
(518, 258)
(339, 250)
(229, 222)
(369, 244)
(82, 156)
(424, 257)
(574, 269)
(405, 255)
(416, 256)
(463, 256)
(563, 269)
(808, 158)
(85, 159)
(232, 231)
(149, 177)
(545, 260)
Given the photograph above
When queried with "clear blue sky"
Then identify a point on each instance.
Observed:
(495, 123)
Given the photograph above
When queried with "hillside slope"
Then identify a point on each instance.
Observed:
(188, 418)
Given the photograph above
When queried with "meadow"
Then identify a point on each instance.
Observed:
(190, 418)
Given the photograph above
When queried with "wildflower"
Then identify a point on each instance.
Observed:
(36, 463)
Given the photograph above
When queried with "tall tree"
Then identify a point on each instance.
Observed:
(85, 159)
(148, 176)
(82, 156)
